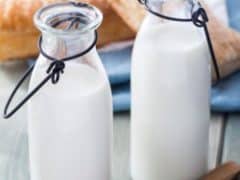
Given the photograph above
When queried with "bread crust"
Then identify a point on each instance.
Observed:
(16, 15)
(17, 45)
(18, 34)
(131, 11)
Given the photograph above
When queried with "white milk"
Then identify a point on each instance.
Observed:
(70, 124)
(170, 102)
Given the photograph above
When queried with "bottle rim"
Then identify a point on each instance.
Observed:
(90, 15)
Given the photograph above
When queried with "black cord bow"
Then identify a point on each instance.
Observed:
(199, 17)
(55, 69)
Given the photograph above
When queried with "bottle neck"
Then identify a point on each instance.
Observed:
(176, 9)
(67, 29)
(65, 46)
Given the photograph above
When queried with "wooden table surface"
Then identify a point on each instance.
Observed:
(224, 135)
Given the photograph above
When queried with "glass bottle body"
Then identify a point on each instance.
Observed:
(70, 123)
(170, 101)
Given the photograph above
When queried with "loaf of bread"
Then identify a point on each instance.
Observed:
(131, 11)
(18, 34)
(227, 171)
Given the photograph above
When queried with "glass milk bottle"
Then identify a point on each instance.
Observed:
(70, 122)
(170, 96)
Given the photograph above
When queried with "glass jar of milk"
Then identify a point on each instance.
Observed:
(70, 122)
(170, 95)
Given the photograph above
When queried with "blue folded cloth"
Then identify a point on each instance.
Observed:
(118, 64)
(121, 97)
(233, 7)
(226, 94)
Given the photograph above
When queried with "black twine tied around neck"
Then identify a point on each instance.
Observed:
(54, 71)
(199, 19)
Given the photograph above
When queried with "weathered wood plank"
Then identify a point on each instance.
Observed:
(121, 147)
(231, 150)
(121, 144)
(12, 130)
(215, 140)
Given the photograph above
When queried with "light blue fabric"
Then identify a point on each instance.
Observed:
(226, 94)
(234, 13)
(117, 63)
(121, 97)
